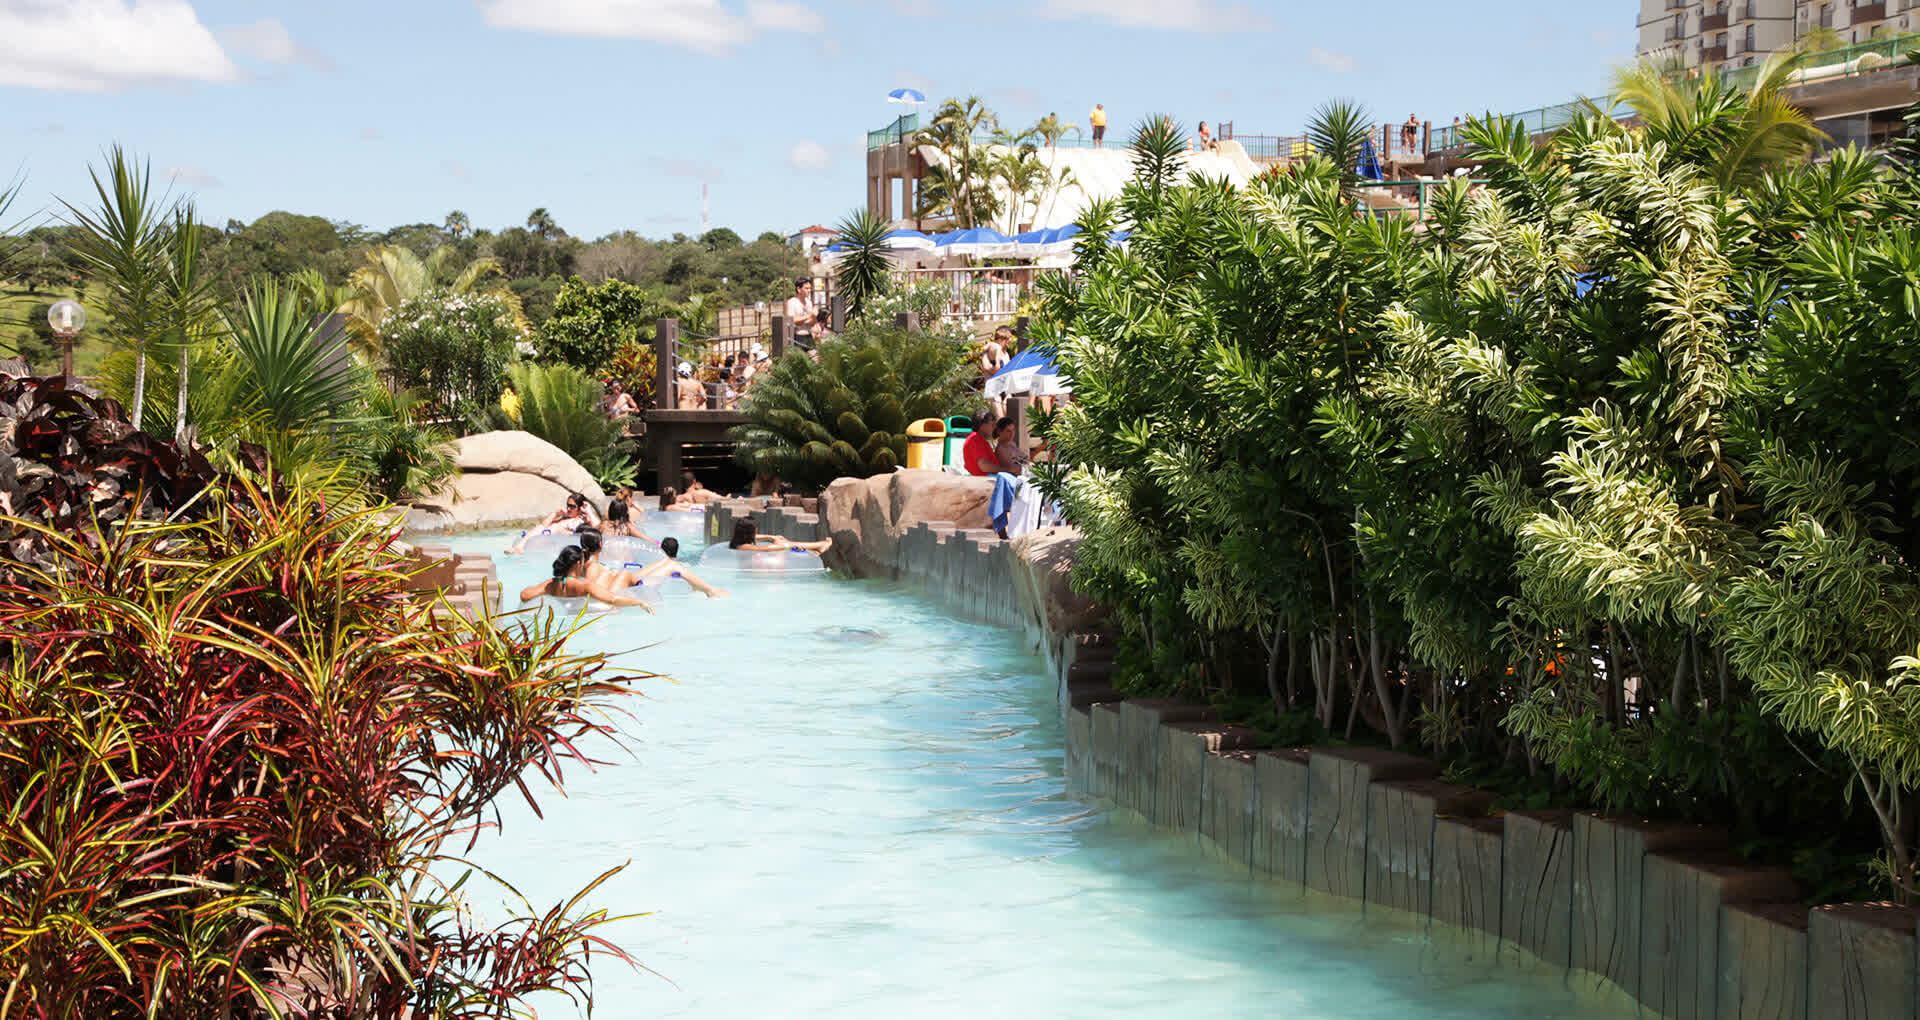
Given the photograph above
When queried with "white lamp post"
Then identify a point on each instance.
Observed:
(67, 319)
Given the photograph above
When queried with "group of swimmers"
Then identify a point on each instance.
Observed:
(578, 572)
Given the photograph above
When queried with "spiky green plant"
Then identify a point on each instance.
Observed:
(846, 413)
(1338, 131)
(561, 404)
(865, 267)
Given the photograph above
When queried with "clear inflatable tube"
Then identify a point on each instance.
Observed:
(721, 557)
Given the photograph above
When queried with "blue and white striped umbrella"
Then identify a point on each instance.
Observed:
(911, 97)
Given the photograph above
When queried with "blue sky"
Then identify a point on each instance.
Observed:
(612, 113)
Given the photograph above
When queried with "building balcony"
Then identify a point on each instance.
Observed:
(1864, 13)
(1713, 22)
(1712, 54)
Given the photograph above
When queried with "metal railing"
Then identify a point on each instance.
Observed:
(903, 126)
(1844, 62)
(1537, 121)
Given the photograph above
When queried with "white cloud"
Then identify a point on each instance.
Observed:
(456, 170)
(101, 45)
(268, 41)
(809, 155)
(1330, 60)
(780, 16)
(193, 177)
(1195, 16)
(702, 25)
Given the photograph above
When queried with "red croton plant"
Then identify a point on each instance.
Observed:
(238, 755)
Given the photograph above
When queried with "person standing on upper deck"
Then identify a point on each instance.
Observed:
(1098, 118)
(800, 314)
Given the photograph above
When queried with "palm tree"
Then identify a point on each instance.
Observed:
(1734, 137)
(393, 275)
(1339, 130)
(540, 221)
(291, 377)
(1051, 129)
(190, 307)
(864, 269)
(953, 130)
(126, 242)
(457, 224)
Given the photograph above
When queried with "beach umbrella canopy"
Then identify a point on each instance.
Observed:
(909, 240)
(1015, 376)
(981, 241)
(1060, 240)
(911, 97)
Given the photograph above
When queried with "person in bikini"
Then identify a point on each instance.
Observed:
(570, 581)
(747, 538)
(620, 521)
(691, 491)
(565, 521)
(599, 573)
(659, 571)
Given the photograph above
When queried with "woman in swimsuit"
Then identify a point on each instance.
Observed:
(563, 521)
(620, 521)
(570, 582)
(599, 573)
(670, 500)
(747, 538)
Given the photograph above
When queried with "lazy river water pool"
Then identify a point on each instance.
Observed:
(848, 804)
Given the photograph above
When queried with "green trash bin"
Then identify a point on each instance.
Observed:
(959, 427)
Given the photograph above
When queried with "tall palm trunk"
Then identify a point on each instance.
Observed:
(139, 385)
(180, 429)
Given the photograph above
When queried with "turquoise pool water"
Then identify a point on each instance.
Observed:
(851, 804)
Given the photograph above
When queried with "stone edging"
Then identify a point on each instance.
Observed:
(1665, 913)
(468, 581)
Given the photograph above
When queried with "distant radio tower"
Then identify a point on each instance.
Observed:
(703, 208)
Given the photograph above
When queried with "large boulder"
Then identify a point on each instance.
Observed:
(526, 453)
(488, 499)
(867, 517)
(1043, 582)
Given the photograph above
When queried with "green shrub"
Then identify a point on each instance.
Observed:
(453, 348)
(846, 414)
(561, 404)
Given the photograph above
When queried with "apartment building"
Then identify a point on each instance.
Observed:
(1729, 34)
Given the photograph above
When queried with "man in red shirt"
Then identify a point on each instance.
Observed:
(977, 452)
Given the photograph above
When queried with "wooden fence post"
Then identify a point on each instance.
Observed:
(837, 313)
(666, 357)
(908, 321)
(781, 334)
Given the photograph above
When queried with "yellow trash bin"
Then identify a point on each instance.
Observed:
(926, 439)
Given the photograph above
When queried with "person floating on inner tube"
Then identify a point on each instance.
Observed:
(672, 567)
(600, 574)
(564, 521)
(570, 582)
(620, 521)
(746, 538)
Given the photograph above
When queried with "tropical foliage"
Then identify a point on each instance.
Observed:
(562, 405)
(592, 321)
(1605, 468)
(845, 414)
(454, 348)
(241, 757)
(864, 270)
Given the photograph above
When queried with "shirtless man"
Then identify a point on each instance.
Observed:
(691, 491)
(672, 567)
(570, 581)
(688, 393)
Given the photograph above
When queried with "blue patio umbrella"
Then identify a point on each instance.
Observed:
(912, 97)
(984, 241)
(1031, 243)
(914, 240)
(1016, 376)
